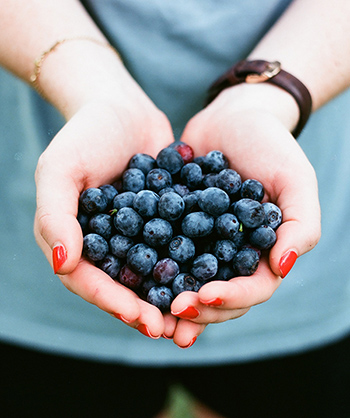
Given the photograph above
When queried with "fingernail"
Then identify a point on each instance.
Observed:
(118, 316)
(165, 337)
(145, 331)
(59, 256)
(287, 261)
(190, 343)
(213, 302)
(188, 313)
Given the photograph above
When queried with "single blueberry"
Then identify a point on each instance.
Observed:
(181, 249)
(273, 215)
(110, 193)
(110, 265)
(146, 203)
(95, 247)
(184, 150)
(191, 201)
(129, 278)
(143, 162)
(191, 175)
(181, 189)
(263, 237)
(93, 200)
(120, 245)
(157, 179)
(101, 224)
(197, 224)
(246, 262)
(141, 259)
(205, 267)
(184, 282)
(165, 271)
(157, 232)
(133, 180)
(227, 226)
(229, 181)
(224, 250)
(225, 272)
(165, 190)
(252, 189)
(123, 200)
(250, 212)
(209, 180)
(128, 222)
(214, 201)
(215, 161)
(171, 206)
(161, 297)
(170, 159)
(83, 219)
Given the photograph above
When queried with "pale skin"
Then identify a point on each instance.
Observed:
(109, 118)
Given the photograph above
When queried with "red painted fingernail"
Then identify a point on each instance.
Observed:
(118, 316)
(213, 302)
(165, 337)
(190, 343)
(287, 261)
(59, 256)
(188, 313)
(145, 331)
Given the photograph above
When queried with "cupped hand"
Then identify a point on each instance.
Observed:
(92, 149)
(259, 146)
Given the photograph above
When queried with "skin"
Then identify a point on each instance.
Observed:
(251, 124)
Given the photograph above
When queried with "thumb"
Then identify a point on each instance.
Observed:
(300, 230)
(56, 228)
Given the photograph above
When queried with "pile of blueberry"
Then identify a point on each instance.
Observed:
(175, 222)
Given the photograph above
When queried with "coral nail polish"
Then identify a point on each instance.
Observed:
(213, 302)
(188, 313)
(59, 256)
(287, 261)
(145, 331)
(190, 343)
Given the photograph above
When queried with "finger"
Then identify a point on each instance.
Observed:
(150, 321)
(97, 288)
(170, 323)
(186, 333)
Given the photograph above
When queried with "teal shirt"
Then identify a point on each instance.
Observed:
(174, 50)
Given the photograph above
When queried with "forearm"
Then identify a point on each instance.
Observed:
(74, 71)
(312, 41)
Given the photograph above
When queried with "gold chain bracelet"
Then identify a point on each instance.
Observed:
(34, 78)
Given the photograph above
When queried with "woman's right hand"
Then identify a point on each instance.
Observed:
(92, 149)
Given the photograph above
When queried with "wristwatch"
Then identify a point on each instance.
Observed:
(260, 71)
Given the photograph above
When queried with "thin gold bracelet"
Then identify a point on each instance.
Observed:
(34, 78)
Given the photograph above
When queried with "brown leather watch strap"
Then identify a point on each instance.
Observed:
(270, 72)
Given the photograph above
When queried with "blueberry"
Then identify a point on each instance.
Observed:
(180, 189)
(110, 265)
(93, 200)
(123, 200)
(229, 181)
(250, 212)
(209, 180)
(146, 203)
(191, 201)
(181, 249)
(161, 297)
(263, 237)
(224, 250)
(191, 175)
(141, 259)
(129, 278)
(120, 245)
(169, 159)
(227, 226)
(184, 150)
(95, 247)
(83, 219)
(110, 193)
(145, 286)
(225, 272)
(215, 161)
(273, 215)
(133, 180)
(165, 190)
(171, 206)
(246, 262)
(214, 201)
(157, 232)
(143, 162)
(157, 179)
(101, 224)
(204, 267)
(128, 222)
(252, 189)
(165, 271)
(184, 282)
(197, 224)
